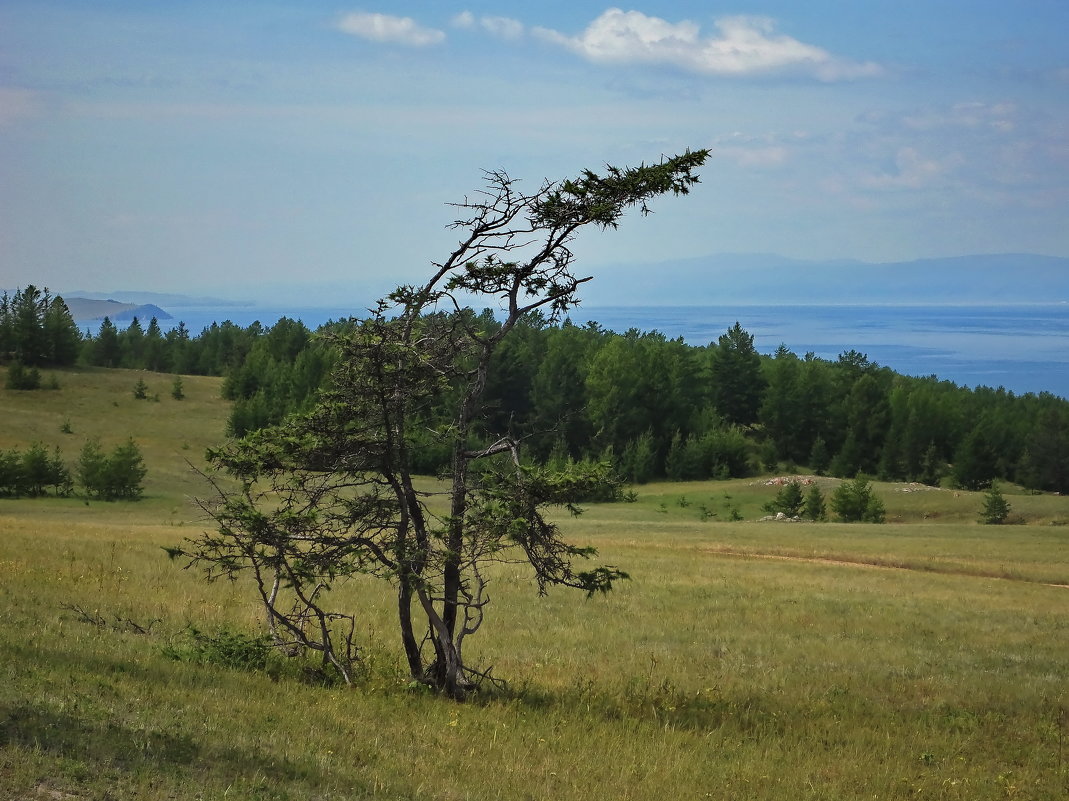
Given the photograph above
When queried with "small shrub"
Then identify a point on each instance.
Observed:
(788, 500)
(224, 648)
(141, 389)
(996, 508)
(855, 502)
(117, 476)
(22, 378)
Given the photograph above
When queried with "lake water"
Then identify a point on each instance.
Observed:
(1021, 348)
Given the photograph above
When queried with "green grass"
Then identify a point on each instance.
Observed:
(746, 660)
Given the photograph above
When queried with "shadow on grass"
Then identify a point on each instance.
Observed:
(112, 746)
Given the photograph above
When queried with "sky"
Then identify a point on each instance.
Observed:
(306, 151)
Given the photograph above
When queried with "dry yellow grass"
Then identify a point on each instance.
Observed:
(716, 672)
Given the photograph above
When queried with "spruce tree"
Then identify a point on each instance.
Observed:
(788, 500)
(814, 507)
(106, 352)
(63, 339)
(996, 508)
(736, 378)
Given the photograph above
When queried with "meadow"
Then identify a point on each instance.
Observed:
(924, 658)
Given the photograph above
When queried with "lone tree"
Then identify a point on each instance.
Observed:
(856, 502)
(996, 509)
(330, 495)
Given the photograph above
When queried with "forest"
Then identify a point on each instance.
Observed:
(654, 407)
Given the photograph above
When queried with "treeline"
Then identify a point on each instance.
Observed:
(113, 476)
(270, 371)
(37, 330)
(657, 407)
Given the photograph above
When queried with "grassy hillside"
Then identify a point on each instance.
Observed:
(925, 658)
(96, 402)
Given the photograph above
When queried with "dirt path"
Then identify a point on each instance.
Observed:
(822, 560)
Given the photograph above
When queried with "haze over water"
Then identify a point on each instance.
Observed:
(1024, 348)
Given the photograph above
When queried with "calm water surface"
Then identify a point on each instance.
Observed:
(1021, 348)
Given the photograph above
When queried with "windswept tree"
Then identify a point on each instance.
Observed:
(330, 494)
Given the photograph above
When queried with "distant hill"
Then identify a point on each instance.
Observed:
(768, 279)
(90, 310)
(168, 299)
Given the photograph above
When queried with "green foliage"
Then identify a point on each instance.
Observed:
(22, 378)
(177, 389)
(855, 501)
(736, 377)
(329, 494)
(36, 329)
(996, 509)
(223, 648)
(31, 473)
(141, 389)
(819, 460)
(788, 500)
(814, 507)
(111, 477)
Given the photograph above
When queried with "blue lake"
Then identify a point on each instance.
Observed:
(1021, 348)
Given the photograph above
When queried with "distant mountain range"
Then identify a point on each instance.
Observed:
(768, 279)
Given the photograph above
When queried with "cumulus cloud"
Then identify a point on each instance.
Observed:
(501, 27)
(743, 46)
(387, 28)
(912, 170)
(761, 151)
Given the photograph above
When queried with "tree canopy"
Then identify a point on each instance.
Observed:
(331, 493)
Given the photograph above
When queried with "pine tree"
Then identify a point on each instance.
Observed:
(132, 345)
(91, 469)
(737, 380)
(125, 472)
(996, 508)
(814, 507)
(27, 310)
(106, 351)
(788, 500)
(63, 339)
(7, 328)
(855, 502)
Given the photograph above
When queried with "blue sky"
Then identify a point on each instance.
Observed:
(248, 148)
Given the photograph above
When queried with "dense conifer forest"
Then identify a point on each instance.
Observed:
(655, 407)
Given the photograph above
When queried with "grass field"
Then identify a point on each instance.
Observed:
(926, 658)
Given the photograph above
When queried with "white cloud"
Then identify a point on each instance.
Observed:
(501, 27)
(387, 28)
(913, 171)
(769, 156)
(744, 46)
